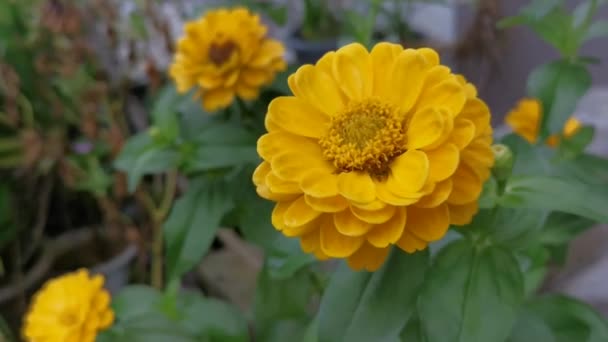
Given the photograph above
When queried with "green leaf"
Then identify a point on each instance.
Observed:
(152, 161)
(413, 330)
(559, 85)
(224, 133)
(562, 228)
(211, 318)
(553, 193)
(597, 30)
(281, 304)
(363, 306)
(530, 327)
(564, 318)
(537, 9)
(141, 156)
(147, 327)
(135, 146)
(135, 300)
(192, 224)
(515, 228)
(215, 157)
(463, 284)
(573, 146)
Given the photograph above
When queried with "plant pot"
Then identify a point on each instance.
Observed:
(309, 51)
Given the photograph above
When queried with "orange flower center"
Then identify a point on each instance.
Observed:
(365, 136)
(221, 53)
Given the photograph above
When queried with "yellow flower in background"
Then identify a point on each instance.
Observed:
(224, 54)
(525, 119)
(71, 308)
(374, 149)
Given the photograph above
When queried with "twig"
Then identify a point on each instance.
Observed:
(41, 218)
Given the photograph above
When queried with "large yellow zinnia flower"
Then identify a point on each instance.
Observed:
(374, 149)
(226, 53)
(525, 118)
(70, 308)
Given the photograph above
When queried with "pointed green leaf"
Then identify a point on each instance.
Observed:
(470, 295)
(194, 220)
(560, 319)
(363, 306)
(556, 194)
(559, 85)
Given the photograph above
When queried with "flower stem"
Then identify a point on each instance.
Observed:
(158, 217)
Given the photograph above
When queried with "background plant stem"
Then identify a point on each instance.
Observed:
(158, 217)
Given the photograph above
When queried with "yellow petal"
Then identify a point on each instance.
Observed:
(388, 232)
(218, 98)
(278, 215)
(407, 79)
(410, 170)
(374, 216)
(448, 94)
(317, 88)
(299, 213)
(437, 74)
(337, 245)
(368, 258)
(571, 127)
(429, 224)
(232, 78)
(385, 190)
(348, 224)
(254, 77)
(443, 162)
(461, 215)
(267, 53)
(463, 133)
(357, 186)
(467, 186)
(273, 143)
(302, 230)
(259, 175)
(478, 154)
(425, 128)
(431, 56)
(297, 117)
(352, 71)
(264, 192)
(209, 81)
(320, 183)
(280, 186)
(326, 62)
(448, 127)
(375, 205)
(327, 204)
(410, 243)
(311, 241)
(439, 195)
(247, 92)
(293, 165)
(383, 56)
(477, 112)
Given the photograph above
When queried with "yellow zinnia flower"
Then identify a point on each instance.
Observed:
(70, 308)
(525, 118)
(374, 149)
(226, 53)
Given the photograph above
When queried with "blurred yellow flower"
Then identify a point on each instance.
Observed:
(70, 308)
(374, 149)
(224, 54)
(525, 118)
